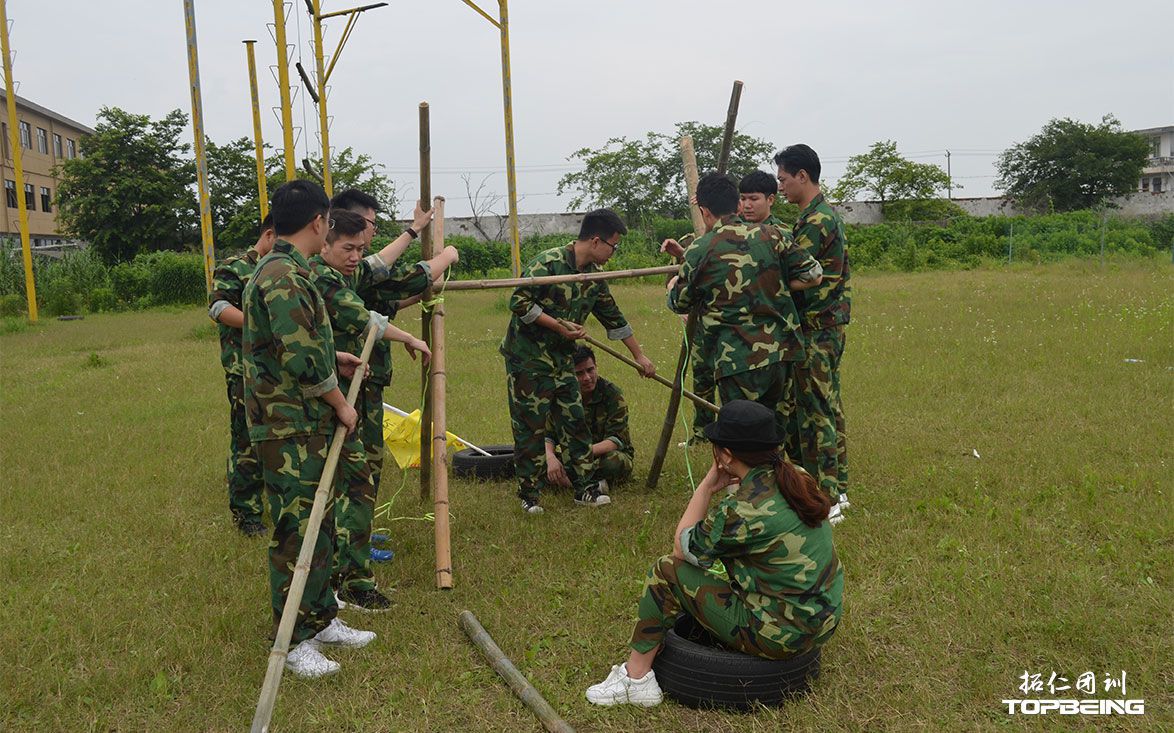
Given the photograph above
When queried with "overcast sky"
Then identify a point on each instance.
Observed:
(971, 77)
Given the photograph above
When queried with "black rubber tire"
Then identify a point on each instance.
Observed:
(697, 673)
(468, 463)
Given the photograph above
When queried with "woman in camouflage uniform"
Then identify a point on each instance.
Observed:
(784, 587)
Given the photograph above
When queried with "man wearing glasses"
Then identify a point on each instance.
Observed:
(539, 349)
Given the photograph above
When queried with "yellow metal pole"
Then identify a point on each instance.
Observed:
(30, 287)
(511, 175)
(291, 168)
(262, 187)
(201, 159)
(323, 120)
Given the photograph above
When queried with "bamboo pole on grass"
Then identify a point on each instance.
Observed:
(581, 277)
(297, 586)
(440, 426)
(425, 320)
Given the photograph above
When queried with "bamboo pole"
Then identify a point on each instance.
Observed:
(689, 156)
(258, 140)
(699, 401)
(517, 682)
(723, 158)
(189, 12)
(289, 613)
(581, 277)
(425, 321)
(440, 426)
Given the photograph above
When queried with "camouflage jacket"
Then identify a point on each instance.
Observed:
(228, 289)
(785, 572)
(288, 350)
(531, 347)
(607, 417)
(820, 232)
(737, 275)
(349, 315)
(401, 282)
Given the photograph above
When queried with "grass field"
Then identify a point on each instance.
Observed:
(130, 603)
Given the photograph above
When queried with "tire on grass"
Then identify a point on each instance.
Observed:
(499, 464)
(696, 672)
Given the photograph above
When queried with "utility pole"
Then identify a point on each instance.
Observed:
(287, 135)
(949, 178)
(258, 140)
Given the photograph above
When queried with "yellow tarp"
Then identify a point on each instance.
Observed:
(402, 437)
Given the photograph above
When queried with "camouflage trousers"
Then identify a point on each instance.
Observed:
(615, 467)
(246, 488)
(534, 399)
(704, 386)
(371, 429)
(673, 586)
(817, 433)
(765, 385)
(354, 510)
(292, 468)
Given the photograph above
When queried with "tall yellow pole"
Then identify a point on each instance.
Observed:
(291, 168)
(201, 158)
(508, 102)
(30, 287)
(262, 187)
(323, 120)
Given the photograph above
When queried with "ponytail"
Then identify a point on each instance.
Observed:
(797, 487)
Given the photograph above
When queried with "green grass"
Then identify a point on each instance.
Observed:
(130, 603)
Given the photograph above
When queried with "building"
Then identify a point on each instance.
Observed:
(46, 139)
(1158, 174)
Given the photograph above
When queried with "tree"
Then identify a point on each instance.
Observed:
(884, 174)
(349, 169)
(232, 193)
(1073, 165)
(642, 179)
(130, 190)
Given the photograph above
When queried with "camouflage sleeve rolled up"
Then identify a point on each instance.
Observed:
(228, 289)
(798, 264)
(820, 232)
(685, 294)
(525, 303)
(403, 281)
(608, 313)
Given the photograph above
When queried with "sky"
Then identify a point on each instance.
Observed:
(972, 78)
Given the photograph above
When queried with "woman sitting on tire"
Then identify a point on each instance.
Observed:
(785, 583)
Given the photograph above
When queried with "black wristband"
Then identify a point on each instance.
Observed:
(412, 233)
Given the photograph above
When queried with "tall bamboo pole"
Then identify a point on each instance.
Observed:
(507, 96)
(440, 425)
(258, 139)
(425, 321)
(30, 287)
(297, 586)
(189, 11)
(291, 168)
(670, 418)
(323, 119)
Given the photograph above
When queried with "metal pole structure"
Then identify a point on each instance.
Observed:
(510, 173)
(425, 319)
(30, 287)
(323, 120)
(262, 186)
(291, 167)
(201, 158)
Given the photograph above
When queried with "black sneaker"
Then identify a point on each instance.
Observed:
(594, 496)
(251, 527)
(530, 506)
(364, 600)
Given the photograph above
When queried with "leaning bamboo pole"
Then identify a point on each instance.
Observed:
(297, 586)
(425, 320)
(581, 277)
(515, 679)
(439, 426)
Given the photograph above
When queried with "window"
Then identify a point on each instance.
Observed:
(26, 135)
(57, 145)
(10, 193)
(46, 200)
(7, 154)
(1145, 185)
(30, 197)
(1157, 185)
(70, 149)
(42, 140)
(1155, 147)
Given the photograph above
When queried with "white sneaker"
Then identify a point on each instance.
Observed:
(620, 688)
(339, 634)
(836, 514)
(844, 503)
(595, 496)
(305, 660)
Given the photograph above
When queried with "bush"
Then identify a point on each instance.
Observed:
(12, 304)
(62, 302)
(103, 299)
(130, 281)
(174, 277)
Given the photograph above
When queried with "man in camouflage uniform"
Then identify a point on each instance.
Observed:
(738, 276)
(292, 400)
(336, 272)
(782, 590)
(246, 488)
(607, 419)
(538, 348)
(824, 312)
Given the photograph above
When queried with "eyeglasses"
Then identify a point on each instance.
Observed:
(614, 247)
(331, 222)
(370, 221)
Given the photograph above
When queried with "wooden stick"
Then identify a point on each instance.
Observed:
(517, 682)
(690, 158)
(297, 587)
(581, 277)
(425, 319)
(699, 401)
(439, 428)
(723, 158)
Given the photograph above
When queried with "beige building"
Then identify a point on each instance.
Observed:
(1158, 174)
(46, 138)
